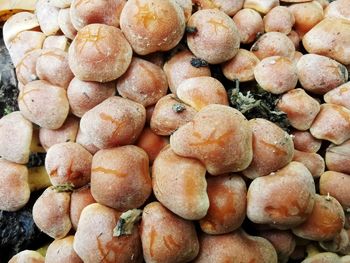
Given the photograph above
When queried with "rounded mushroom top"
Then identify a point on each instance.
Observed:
(152, 25)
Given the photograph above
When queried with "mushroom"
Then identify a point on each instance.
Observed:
(166, 237)
(305, 142)
(15, 137)
(273, 44)
(68, 163)
(120, 177)
(338, 9)
(339, 95)
(338, 157)
(199, 92)
(262, 6)
(216, 39)
(60, 42)
(44, 104)
(61, 251)
(241, 66)
(66, 133)
(51, 212)
(26, 68)
(272, 148)
(99, 53)
(94, 240)
(116, 121)
(169, 114)
(219, 136)
(52, 66)
(27, 256)
(276, 74)
(152, 25)
(179, 184)
(84, 95)
(227, 209)
(14, 186)
(148, 82)
(65, 23)
(325, 221)
(47, 15)
(301, 108)
(238, 245)
(312, 161)
(230, 7)
(179, 68)
(279, 19)
(107, 12)
(287, 200)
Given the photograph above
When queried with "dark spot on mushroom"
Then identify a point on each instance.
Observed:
(198, 62)
(191, 29)
(178, 107)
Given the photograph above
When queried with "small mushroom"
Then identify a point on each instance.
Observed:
(272, 148)
(217, 37)
(276, 74)
(336, 184)
(262, 6)
(241, 66)
(26, 68)
(169, 114)
(60, 42)
(320, 74)
(338, 157)
(61, 3)
(51, 213)
(179, 184)
(237, 245)
(14, 186)
(167, 237)
(305, 142)
(120, 177)
(312, 161)
(230, 7)
(227, 209)
(199, 92)
(52, 66)
(47, 15)
(287, 200)
(279, 19)
(84, 95)
(44, 104)
(301, 108)
(107, 12)
(338, 9)
(65, 23)
(99, 53)
(273, 44)
(179, 68)
(27, 256)
(15, 137)
(325, 221)
(94, 240)
(339, 95)
(116, 121)
(67, 133)
(249, 24)
(152, 25)
(68, 162)
(143, 82)
(80, 198)
(61, 251)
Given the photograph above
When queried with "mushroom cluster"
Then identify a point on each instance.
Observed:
(206, 131)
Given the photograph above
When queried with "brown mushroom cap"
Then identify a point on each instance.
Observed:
(179, 184)
(179, 67)
(143, 82)
(44, 104)
(227, 209)
(67, 133)
(120, 177)
(287, 199)
(152, 25)
(237, 245)
(26, 68)
(338, 157)
(116, 121)
(219, 136)
(61, 251)
(68, 162)
(15, 137)
(279, 19)
(340, 95)
(51, 213)
(217, 37)
(304, 141)
(166, 237)
(169, 114)
(99, 53)
(107, 12)
(84, 95)
(27, 256)
(94, 240)
(313, 162)
(14, 186)
(199, 92)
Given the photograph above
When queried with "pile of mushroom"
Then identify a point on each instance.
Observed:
(147, 156)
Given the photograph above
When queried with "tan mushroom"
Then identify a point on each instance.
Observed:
(61, 251)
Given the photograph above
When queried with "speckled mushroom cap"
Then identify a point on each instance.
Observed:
(99, 53)
(152, 25)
